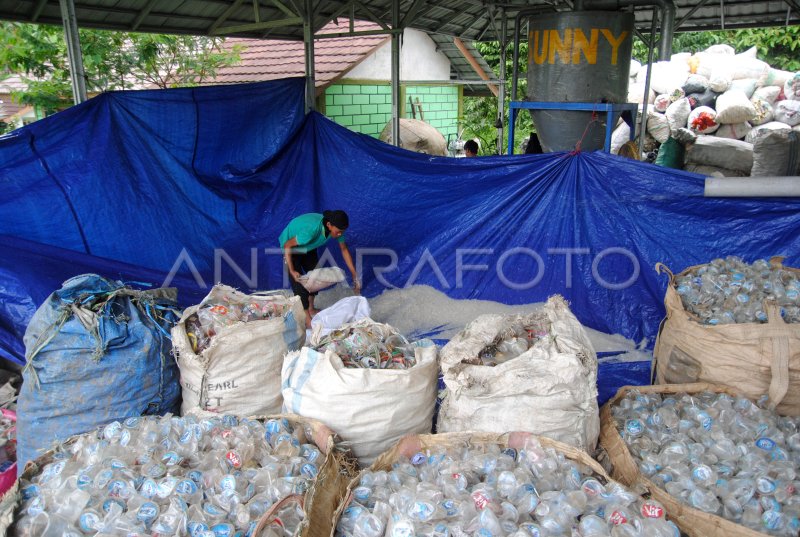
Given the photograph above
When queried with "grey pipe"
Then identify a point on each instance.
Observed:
(752, 187)
(646, 100)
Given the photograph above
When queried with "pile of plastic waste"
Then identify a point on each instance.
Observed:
(370, 346)
(717, 453)
(741, 110)
(214, 477)
(219, 309)
(516, 340)
(490, 491)
(729, 291)
(8, 443)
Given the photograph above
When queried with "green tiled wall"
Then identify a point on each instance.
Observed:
(366, 108)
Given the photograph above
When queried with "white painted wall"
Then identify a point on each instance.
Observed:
(419, 60)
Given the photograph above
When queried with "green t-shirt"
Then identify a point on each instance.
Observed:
(309, 231)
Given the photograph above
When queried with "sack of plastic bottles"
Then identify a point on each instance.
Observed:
(366, 381)
(198, 476)
(534, 372)
(230, 348)
(733, 323)
(722, 464)
(482, 484)
(321, 278)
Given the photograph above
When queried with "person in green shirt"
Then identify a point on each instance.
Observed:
(300, 240)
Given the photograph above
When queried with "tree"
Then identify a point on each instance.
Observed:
(112, 61)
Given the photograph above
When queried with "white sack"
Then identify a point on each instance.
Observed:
(768, 93)
(776, 154)
(550, 390)
(762, 130)
(733, 106)
(347, 310)
(678, 114)
(370, 409)
(764, 111)
(702, 120)
(658, 126)
(791, 89)
(734, 131)
(321, 278)
(788, 112)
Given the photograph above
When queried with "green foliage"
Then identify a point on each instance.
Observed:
(480, 113)
(776, 46)
(111, 60)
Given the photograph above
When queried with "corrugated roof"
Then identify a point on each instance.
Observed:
(468, 19)
(269, 59)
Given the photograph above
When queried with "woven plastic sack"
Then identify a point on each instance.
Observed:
(764, 111)
(776, 154)
(89, 366)
(746, 85)
(791, 88)
(721, 153)
(678, 114)
(762, 130)
(703, 120)
(733, 106)
(658, 126)
(788, 112)
(661, 103)
(768, 93)
(734, 131)
(695, 84)
(775, 77)
(321, 278)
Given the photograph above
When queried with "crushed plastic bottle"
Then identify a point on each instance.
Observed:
(223, 307)
(172, 476)
(723, 455)
(370, 346)
(513, 341)
(728, 291)
(488, 491)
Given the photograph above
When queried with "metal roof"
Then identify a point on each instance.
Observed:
(283, 19)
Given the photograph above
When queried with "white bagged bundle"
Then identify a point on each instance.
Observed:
(721, 49)
(636, 94)
(719, 82)
(764, 111)
(370, 409)
(634, 70)
(721, 153)
(762, 130)
(550, 389)
(658, 126)
(788, 112)
(680, 57)
(662, 102)
(743, 67)
(678, 114)
(776, 77)
(752, 52)
(791, 89)
(321, 278)
(768, 93)
(733, 106)
(734, 131)
(239, 371)
(703, 120)
(695, 84)
(746, 85)
(776, 154)
(665, 76)
(620, 137)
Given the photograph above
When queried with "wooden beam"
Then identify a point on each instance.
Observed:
(222, 18)
(280, 5)
(145, 12)
(475, 65)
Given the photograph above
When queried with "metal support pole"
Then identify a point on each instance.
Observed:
(76, 72)
(396, 73)
(501, 98)
(308, 41)
(646, 99)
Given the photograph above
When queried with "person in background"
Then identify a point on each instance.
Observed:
(534, 147)
(471, 148)
(300, 240)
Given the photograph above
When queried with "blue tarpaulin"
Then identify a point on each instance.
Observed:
(199, 183)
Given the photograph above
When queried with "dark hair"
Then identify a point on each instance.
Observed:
(471, 146)
(336, 218)
(534, 146)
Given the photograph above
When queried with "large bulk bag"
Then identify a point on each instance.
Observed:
(734, 131)
(734, 106)
(754, 358)
(776, 154)
(692, 522)
(369, 408)
(549, 390)
(96, 351)
(762, 130)
(239, 371)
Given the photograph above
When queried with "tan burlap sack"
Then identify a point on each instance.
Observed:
(319, 501)
(692, 522)
(754, 358)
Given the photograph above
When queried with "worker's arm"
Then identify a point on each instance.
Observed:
(348, 259)
(287, 255)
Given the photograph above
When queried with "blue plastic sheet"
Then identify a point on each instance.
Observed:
(200, 183)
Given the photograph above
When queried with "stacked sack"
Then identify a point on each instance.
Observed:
(720, 113)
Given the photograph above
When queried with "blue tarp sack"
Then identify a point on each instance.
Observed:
(96, 351)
